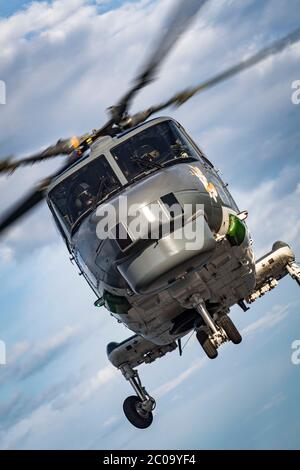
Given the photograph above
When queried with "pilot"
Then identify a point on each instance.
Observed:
(83, 198)
(148, 151)
(179, 150)
(155, 153)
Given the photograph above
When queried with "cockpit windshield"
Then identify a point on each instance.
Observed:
(83, 189)
(152, 149)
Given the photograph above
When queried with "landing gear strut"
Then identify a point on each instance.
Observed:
(215, 334)
(137, 408)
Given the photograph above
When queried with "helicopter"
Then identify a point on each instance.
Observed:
(153, 228)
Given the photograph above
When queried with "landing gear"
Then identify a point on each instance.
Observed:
(134, 412)
(213, 334)
(137, 408)
(230, 329)
(208, 346)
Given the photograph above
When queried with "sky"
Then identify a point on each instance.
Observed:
(64, 62)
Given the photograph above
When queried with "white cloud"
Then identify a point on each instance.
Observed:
(274, 211)
(111, 421)
(273, 402)
(6, 253)
(28, 358)
(37, 17)
(268, 321)
(18, 350)
(41, 410)
(174, 383)
(103, 377)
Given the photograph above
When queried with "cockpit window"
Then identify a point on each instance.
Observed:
(83, 189)
(152, 149)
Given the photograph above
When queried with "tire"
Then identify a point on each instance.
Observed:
(230, 329)
(133, 416)
(207, 345)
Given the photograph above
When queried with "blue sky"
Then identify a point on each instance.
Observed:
(64, 63)
(14, 6)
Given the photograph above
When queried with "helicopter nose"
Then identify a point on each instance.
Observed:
(170, 257)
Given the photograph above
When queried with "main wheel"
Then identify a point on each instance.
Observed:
(230, 329)
(133, 412)
(207, 345)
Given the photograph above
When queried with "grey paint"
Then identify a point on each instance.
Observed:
(143, 274)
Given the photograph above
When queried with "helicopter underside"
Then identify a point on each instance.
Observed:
(227, 278)
(225, 287)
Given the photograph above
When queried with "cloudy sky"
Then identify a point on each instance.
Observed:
(64, 62)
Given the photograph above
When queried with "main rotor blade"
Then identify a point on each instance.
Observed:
(62, 147)
(178, 23)
(32, 199)
(23, 207)
(73, 148)
(275, 48)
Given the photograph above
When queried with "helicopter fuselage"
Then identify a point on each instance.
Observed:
(202, 246)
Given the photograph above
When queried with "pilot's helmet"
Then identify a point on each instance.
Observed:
(83, 196)
(148, 150)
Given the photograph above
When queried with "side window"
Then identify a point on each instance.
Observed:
(200, 155)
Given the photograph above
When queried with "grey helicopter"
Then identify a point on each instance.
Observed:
(184, 257)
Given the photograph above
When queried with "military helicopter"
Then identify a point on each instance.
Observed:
(167, 285)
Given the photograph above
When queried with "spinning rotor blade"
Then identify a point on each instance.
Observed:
(34, 198)
(176, 26)
(31, 200)
(62, 147)
(73, 147)
(174, 29)
(275, 48)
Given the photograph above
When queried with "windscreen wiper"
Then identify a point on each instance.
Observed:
(146, 163)
(172, 160)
